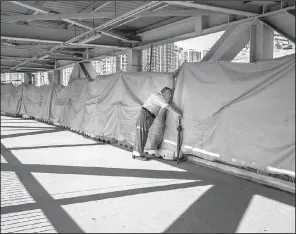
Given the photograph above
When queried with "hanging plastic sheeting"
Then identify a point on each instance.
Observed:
(113, 111)
(89, 94)
(56, 90)
(88, 91)
(11, 98)
(105, 107)
(67, 103)
(238, 113)
(36, 101)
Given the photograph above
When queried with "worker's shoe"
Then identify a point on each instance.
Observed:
(142, 158)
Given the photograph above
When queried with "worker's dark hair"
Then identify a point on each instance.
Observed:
(165, 89)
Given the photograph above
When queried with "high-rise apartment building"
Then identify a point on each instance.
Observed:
(186, 56)
(192, 56)
(179, 56)
(40, 78)
(164, 58)
(13, 78)
(123, 62)
(108, 65)
(105, 66)
(66, 73)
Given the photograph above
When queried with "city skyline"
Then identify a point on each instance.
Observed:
(165, 58)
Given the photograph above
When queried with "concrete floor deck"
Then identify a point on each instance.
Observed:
(53, 180)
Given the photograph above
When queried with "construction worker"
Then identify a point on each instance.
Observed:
(148, 112)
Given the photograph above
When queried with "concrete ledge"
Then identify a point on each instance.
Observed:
(261, 179)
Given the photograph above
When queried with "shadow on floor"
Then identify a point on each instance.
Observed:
(219, 209)
(32, 133)
(21, 127)
(20, 122)
(54, 146)
(53, 211)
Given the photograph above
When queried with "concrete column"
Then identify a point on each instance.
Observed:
(28, 78)
(201, 22)
(57, 76)
(134, 60)
(118, 63)
(261, 44)
(87, 54)
(50, 76)
(54, 76)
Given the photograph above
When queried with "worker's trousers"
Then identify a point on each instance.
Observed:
(144, 122)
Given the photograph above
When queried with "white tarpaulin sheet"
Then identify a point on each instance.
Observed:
(237, 113)
(111, 110)
(11, 98)
(240, 113)
(105, 107)
(108, 106)
(29, 100)
(67, 103)
(36, 101)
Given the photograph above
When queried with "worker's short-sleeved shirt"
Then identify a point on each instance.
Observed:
(154, 103)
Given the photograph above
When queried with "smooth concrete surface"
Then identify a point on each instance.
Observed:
(53, 180)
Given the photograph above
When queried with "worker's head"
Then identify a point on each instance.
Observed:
(167, 93)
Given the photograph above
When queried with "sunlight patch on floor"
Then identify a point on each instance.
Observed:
(32, 221)
(149, 212)
(259, 213)
(13, 192)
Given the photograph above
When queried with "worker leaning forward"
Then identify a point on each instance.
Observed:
(148, 112)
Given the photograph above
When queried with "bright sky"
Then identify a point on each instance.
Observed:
(199, 43)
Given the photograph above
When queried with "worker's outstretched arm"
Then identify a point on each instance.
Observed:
(173, 110)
